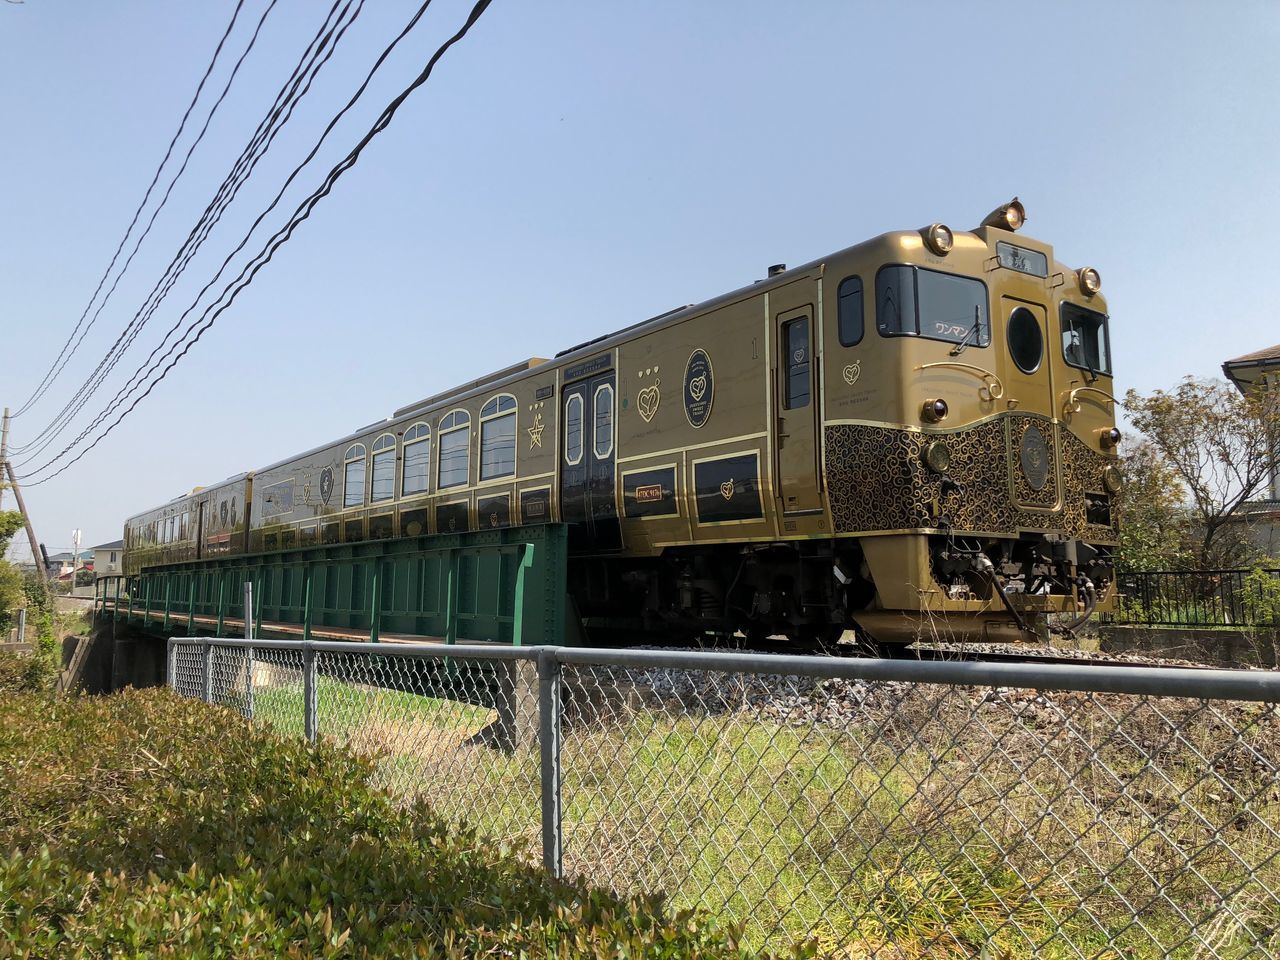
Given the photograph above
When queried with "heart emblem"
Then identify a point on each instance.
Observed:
(493, 519)
(647, 402)
(851, 373)
(726, 489)
(697, 387)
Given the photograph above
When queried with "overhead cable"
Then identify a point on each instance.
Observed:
(247, 274)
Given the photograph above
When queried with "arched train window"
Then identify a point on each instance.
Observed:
(455, 449)
(498, 437)
(416, 471)
(383, 485)
(353, 476)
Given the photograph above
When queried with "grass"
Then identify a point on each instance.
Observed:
(142, 824)
(924, 827)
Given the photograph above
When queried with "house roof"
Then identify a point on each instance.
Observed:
(1248, 371)
(113, 545)
(1270, 353)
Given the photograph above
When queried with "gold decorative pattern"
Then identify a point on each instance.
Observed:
(877, 481)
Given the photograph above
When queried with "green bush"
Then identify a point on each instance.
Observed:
(142, 824)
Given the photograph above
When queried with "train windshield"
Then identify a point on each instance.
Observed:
(911, 301)
(1085, 339)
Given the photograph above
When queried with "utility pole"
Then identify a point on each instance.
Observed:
(4, 451)
(31, 533)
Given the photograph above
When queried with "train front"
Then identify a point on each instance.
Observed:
(983, 477)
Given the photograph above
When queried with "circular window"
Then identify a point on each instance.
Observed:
(1026, 342)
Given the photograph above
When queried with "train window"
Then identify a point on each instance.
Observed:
(604, 420)
(573, 429)
(417, 460)
(182, 526)
(455, 449)
(1026, 342)
(383, 485)
(353, 476)
(1086, 342)
(795, 339)
(849, 296)
(912, 301)
(498, 437)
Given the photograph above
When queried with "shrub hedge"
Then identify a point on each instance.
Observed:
(142, 824)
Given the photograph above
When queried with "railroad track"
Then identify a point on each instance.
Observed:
(973, 654)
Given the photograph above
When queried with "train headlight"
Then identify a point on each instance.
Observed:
(939, 238)
(1109, 438)
(934, 411)
(1011, 216)
(1090, 281)
(1111, 478)
(936, 456)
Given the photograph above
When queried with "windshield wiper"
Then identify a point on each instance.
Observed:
(964, 341)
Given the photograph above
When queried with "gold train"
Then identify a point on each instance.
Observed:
(911, 436)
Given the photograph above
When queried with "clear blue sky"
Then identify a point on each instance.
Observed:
(574, 167)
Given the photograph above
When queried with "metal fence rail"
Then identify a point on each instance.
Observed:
(880, 808)
(1196, 598)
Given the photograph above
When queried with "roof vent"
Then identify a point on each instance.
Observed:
(777, 268)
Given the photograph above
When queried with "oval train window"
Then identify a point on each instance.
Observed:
(1026, 341)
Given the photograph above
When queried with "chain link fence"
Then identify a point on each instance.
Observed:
(890, 809)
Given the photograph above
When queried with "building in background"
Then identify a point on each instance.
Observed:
(1261, 371)
(107, 559)
(60, 565)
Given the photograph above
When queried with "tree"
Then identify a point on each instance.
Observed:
(1215, 441)
(11, 522)
(1155, 524)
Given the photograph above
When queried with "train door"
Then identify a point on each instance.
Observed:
(587, 458)
(1028, 382)
(795, 398)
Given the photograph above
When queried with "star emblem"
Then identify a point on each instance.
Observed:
(535, 432)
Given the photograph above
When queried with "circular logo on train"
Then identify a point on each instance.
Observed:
(326, 484)
(699, 388)
(1035, 458)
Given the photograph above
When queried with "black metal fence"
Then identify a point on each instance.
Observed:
(1200, 598)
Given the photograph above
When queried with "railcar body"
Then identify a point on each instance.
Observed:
(912, 435)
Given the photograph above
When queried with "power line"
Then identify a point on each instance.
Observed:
(54, 368)
(143, 370)
(296, 86)
(285, 233)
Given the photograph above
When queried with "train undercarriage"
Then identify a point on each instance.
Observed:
(816, 590)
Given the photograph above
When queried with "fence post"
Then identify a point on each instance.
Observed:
(22, 624)
(207, 691)
(549, 747)
(375, 611)
(309, 704)
(248, 666)
(172, 661)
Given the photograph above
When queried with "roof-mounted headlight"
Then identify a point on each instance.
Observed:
(1011, 216)
(939, 238)
(1090, 281)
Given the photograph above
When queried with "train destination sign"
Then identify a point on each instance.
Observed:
(1032, 262)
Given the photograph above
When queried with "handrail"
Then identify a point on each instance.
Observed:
(992, 388)
(1072, 404)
